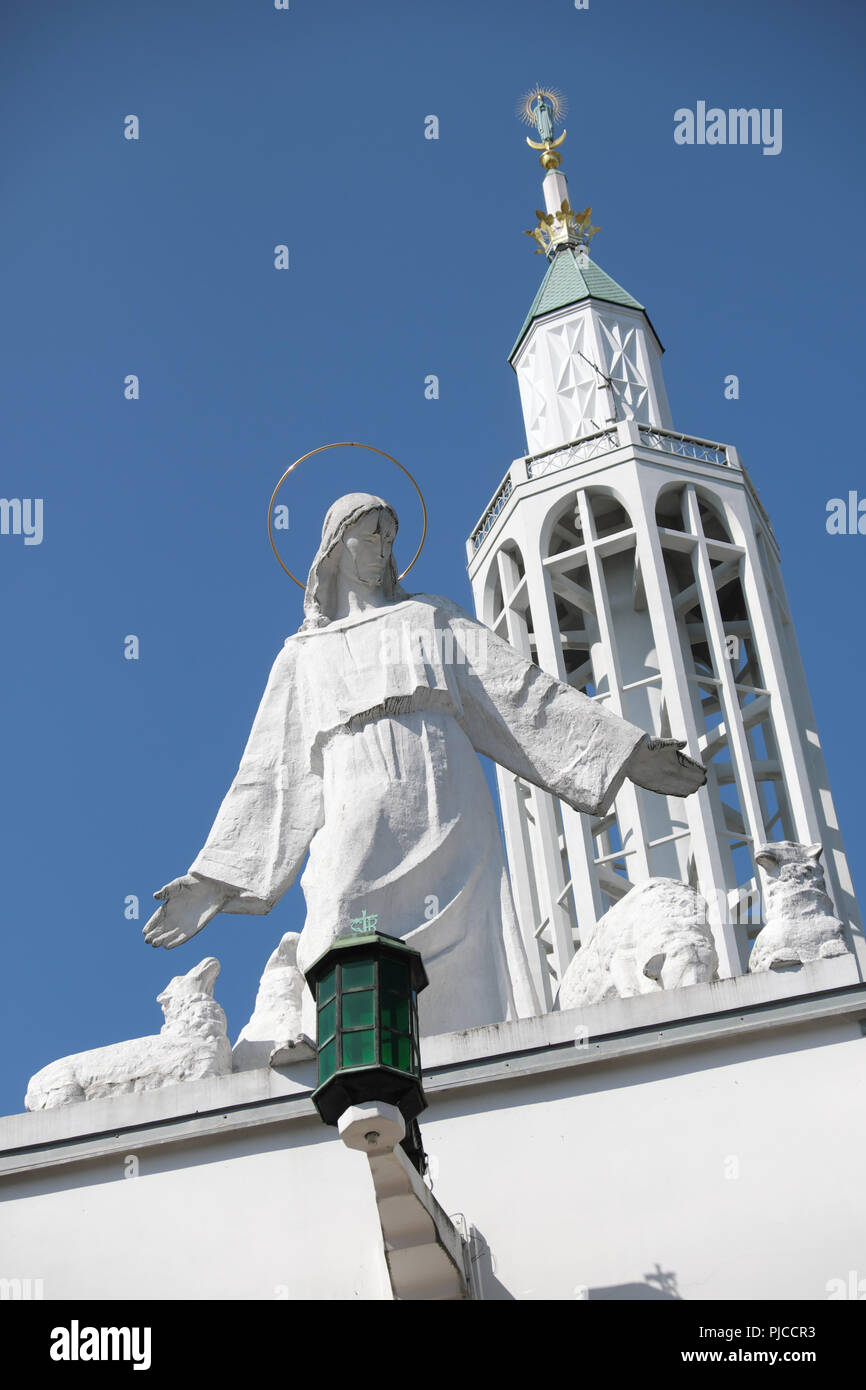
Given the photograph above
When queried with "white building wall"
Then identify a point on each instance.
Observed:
(721, 1174)
(271, 1213)
(701, 1144)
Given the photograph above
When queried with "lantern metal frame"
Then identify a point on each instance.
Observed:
(353, 983)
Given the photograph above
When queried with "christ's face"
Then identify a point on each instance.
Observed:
(366, 549)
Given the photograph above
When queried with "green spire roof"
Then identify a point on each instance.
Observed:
(568, 281)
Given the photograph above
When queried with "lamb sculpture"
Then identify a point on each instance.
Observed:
(801, 923)
(656, 937)
(191, 1044)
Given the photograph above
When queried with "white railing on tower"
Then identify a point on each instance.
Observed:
(589, 447)
(687, 446)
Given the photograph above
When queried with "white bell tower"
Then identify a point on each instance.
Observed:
(638, 564)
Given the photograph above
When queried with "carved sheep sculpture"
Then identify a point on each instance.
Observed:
(192, 1044)
(801, 924)
(656, 937)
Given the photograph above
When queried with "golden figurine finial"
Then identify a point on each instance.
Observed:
(542, 107)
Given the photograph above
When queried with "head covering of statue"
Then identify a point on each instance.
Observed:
(321, 593)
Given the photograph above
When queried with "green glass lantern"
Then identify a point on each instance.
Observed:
(366, 989)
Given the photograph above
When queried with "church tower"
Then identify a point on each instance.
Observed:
(637, 563)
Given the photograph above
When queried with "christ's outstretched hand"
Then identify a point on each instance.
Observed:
(188, 904)
(660, 766)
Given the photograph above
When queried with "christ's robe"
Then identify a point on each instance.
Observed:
(362, 760)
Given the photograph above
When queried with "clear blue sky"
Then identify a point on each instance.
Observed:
(305, 127)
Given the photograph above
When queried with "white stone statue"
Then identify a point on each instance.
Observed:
(656, 937)
(191, 1044)
(361, 760)
(275, 1029)
(800, 922)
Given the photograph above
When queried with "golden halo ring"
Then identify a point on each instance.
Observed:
(344, 444)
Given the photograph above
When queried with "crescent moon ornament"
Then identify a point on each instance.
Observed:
(345, 444)
(547, 144)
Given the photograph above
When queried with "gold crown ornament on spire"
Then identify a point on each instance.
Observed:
(563, 226)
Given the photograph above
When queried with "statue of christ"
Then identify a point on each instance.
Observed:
(361, 761)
